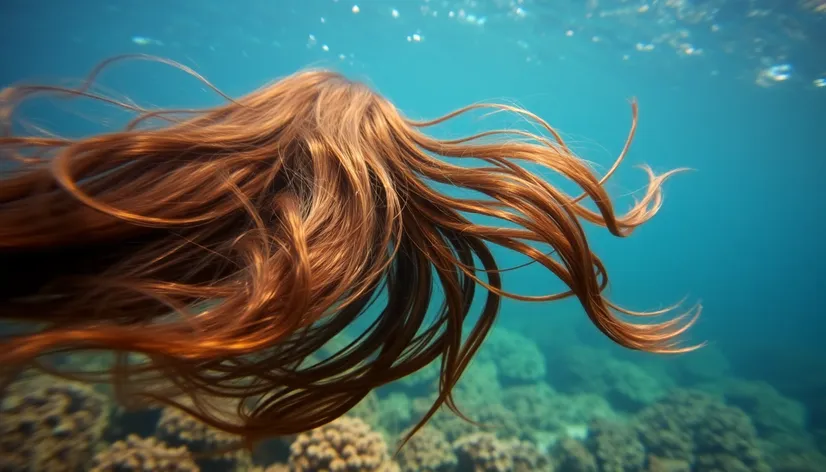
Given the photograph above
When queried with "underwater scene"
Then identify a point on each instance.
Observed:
(730, 93)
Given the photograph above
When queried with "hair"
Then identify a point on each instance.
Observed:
(228, 245)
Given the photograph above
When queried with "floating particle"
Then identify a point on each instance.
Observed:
(323, 20)
(394, 13)
(325, 48)
(356, 9)
(774, 74)
(569, 33)
(414, 38)
(819, 82)
(144, 41)
(780, 72)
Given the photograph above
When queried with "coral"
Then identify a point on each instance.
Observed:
(427, 451)
(772, 413)
(347, 444)
(727, 441)
(137, 454)
(570, 455)
(533, 405)
(177, 428)
(659, 464)
(625, 385)
(451, 425)
(271, 468)
(483, 452)
(527, 457)
(488, 417)
(518, 359)
(479, 385)
(369, 410)
(539, 408)
(799, 462)
(49, 425)
(427, 376)
(696, 427)
(495, 418)
(395, 412)
(615, 447)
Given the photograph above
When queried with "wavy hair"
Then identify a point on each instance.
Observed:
(228, 245)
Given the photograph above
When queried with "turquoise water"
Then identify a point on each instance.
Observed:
(743, 233)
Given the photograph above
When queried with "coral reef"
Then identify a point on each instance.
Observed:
(451, 425)
(615, 447)
(176, 428)
(346, 444)
(271, 468)
(518, 359)
(527, 457)
(369, 410)
(570, 455)
(50, 425)
(137, 454)
(695, 427)
(490, 417)
(479, 384)
(427, 451)
(424, 377)
(625, 385)
(395, 412)
(538, 407)
(780, 422)
(483, 452)
(737, 426)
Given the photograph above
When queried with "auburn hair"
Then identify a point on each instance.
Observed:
(216, 252)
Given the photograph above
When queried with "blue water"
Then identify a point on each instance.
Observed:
(743, 233)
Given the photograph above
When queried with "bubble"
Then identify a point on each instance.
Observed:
(774, 74)
(780, 72)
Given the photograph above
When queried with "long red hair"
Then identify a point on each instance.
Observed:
(229, 245)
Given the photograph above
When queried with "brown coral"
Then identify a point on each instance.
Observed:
(527, 457)
(696, 427)
(137, 454)
(615, 446)
(347, 444)
(271, 468)
(50, 425)
(427, 451)
(570, 455)
(483, 452)
(179, 429)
